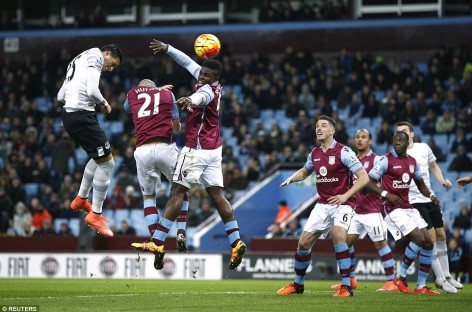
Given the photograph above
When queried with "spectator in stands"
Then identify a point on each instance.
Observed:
(126, 229)
(410, 114)
(235, 178)
(116, 199)
(253, 170)
(47, 229)
(462, 222)
(162, 198)
(385, 134)
(341, 133)
(445, 123)
(294, 107)
(283, 212)
(128, 162)
(452, 103)
(292, 229)
(202, 213)
(456, 259)
(64, 208)
(459, 139)
(16, 190)
(371, 109)
(324, 108)
(6, 210)
(437, 151)
(20, 216)
(356, 107)
(130, 197)
(40, 213)
(460, 162)
(275, 230)
(64, 230)
(428, 126)
(306, 98)
(64, 150)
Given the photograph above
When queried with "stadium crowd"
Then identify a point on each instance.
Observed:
(89, 16)
(267, 114)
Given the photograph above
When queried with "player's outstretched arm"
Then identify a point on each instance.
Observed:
(300, 175)
(158, 46)
(463, 181)
(436, 170)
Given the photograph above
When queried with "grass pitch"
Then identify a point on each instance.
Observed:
(227, 295)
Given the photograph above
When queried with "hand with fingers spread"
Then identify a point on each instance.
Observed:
(185, 103)
(158, 46)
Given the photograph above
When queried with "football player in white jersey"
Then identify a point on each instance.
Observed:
(81, 96)
(428, 210)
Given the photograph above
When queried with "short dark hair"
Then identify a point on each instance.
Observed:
(114, 51)
(214, 65)
(405, 123)
(328, 119)
(402, 133)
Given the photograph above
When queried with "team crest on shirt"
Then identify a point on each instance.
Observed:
(107, 145)
(366, 164)
(405, 177)
(185, 173)
(412, 168)
(323, 171)
(331, 160)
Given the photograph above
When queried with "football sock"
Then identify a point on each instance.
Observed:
(441, 249)
(151, 215)
(387, 261)
(425, 259)
(302, 262)
(182, 218)
(87, 179)
(352, 268)
(162, 229)
(101, 181)
(436, 265)
(411, 251)
(344, 263)
(232, 231)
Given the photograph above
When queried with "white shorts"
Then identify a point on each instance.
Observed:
(324, 216)
(152, 159)
(369, 223)
(400, 222)
(199, 166)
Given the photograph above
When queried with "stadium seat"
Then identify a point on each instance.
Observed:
(43, 103)
(138, 222)
(74, 225)
(226, 133)
(120, 215)
(422, 67)
(58, 222)
(81, 155)
(117, 127)
(31, 189)
(363, 123)
(279, 114)
(267, 115)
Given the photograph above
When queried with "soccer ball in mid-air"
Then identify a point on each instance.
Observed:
(207, 46)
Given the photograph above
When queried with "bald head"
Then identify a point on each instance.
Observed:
(147, 82)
